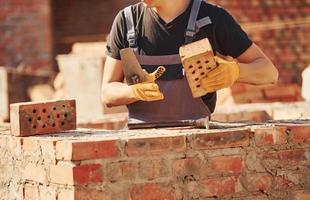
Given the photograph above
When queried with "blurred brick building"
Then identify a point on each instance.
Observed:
(32, 32)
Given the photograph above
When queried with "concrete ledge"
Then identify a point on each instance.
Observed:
(237, 161)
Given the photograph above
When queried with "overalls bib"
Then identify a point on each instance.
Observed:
(178, 103)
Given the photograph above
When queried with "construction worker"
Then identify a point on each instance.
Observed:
(155, 30)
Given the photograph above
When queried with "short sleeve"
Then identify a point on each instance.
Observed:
(232, 40)
(116, 38)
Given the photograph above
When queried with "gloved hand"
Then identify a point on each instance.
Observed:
(224, 75)
(149, 90)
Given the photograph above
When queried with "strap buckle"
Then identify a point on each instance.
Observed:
(189, 35)
(132, 39)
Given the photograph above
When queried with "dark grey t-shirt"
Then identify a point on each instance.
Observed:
(155, 37)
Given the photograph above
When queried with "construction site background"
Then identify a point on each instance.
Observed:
(257, 147)
(40, 38)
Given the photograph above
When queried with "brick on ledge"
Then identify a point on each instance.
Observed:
(256, 116)
(86, 149)
(145, 146)
(220, 139)
(267, 136)
(299, 133)
(76, 175)
(276, 92)
(38, 118)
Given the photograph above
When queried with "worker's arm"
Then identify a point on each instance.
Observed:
(114, 91)
(256, 68)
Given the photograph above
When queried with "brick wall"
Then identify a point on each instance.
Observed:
(25, 33)
(281, 28)
(80, 21)
(256, 162)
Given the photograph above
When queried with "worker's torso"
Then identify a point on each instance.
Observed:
(158, 38)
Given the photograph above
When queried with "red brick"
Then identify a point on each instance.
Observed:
(187, 167)
(42, 118)
(155, 146)
(220, 117)
(91, 194)
(76, 175)
(270, 136)
(277, 92)
(152, 169)
(234, 117)
(83, 194)
(248, 96)
(223, 139)
(227, 164)
(121, 170)
(281, 183)
(301, 195)
(151, 191)
(238, 88)
(257, 182)
(86, 150)
(285, 158)
(35, 173)
(255, 116)
(31, 192)
(299, 133)
(220, 186)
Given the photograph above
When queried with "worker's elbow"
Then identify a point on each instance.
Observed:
(273, 75)
(104, 97)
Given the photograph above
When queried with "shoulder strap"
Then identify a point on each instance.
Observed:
(132, 35)
(191, 27)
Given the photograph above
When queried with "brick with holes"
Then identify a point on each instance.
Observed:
(197, 59)
(37, 118)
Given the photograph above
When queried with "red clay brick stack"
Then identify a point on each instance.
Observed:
(281, 28)
(243, 93)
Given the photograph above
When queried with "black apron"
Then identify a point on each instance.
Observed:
(178, 103)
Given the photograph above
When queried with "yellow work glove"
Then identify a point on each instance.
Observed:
(224, 75)
(149, 90)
